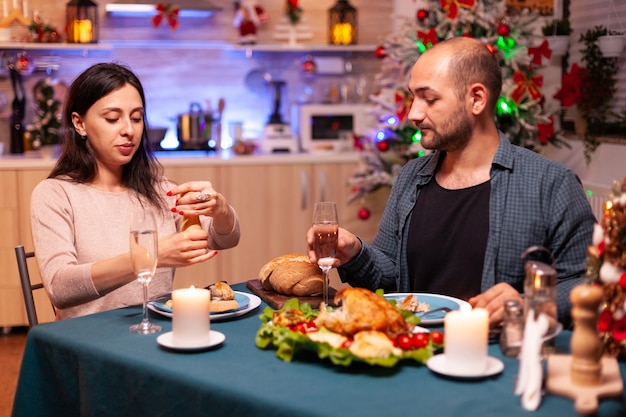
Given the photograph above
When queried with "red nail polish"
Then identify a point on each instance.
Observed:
(176, 202)
(174, 210)
(169, 194)
(182, 213)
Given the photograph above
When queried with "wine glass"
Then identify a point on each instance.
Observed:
(325, 228)
(143, 254)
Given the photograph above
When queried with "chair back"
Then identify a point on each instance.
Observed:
(27, 287)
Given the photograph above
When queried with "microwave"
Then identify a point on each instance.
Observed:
(329, 127)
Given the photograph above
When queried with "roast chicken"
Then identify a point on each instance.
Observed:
(361, 310)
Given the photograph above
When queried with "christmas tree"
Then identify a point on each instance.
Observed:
(45, 129)
(520, 113)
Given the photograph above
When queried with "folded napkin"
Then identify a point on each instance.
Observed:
(530, 376)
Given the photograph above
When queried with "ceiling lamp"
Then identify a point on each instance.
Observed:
(342, 24)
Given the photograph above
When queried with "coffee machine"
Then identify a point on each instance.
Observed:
(277, 135)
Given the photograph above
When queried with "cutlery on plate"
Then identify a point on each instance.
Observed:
(435, 310)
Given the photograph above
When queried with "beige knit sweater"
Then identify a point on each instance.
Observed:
(75, 225)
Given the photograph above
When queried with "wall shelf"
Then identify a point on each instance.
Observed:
(58, 48)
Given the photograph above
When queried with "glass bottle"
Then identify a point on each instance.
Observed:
(512, 329)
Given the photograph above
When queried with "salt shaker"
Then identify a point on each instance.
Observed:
(512, 329)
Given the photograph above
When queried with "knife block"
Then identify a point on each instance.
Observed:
(585, 375)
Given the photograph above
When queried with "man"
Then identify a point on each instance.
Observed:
(458, 220)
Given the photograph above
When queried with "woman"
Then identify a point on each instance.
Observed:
(80, 214)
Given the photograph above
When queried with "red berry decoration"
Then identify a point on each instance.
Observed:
(364, 214)
(421, 14)
(503, 30)
(622, 281)
(382, 146)
(380, 52)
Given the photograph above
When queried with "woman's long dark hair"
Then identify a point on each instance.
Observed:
(143, 173)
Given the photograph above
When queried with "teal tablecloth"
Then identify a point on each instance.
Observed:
(93, 366)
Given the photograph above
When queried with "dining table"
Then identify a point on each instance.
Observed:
(93, 366)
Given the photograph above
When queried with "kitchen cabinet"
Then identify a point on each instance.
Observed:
(272, 194)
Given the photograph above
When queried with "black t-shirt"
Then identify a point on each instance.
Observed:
(447, 239)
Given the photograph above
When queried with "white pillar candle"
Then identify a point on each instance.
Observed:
(466, 339)
(191, 316)
(15, 4)
(5, 8)
(25, 8)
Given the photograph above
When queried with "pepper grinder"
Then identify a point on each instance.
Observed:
(585, 375)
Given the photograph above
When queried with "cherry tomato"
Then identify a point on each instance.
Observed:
(405, 342)
(437, 337)
(420, 340)
(347, 343)
(300, 327)
(311, 326)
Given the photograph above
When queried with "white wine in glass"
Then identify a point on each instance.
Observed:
(325, 228)
(143, 254)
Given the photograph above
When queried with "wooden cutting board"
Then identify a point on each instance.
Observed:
(276, 300)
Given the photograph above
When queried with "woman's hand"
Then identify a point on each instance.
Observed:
(200, 198)
(185, 248)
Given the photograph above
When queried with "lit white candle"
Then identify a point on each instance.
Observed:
(15, 4)
(466, 339)
(5, 8)
(25, 8)
(191, 317)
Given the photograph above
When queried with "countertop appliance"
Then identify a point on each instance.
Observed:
(323, 127)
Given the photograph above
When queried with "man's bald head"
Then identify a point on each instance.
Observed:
(469, 62)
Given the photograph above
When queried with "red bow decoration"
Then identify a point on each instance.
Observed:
(403, 104)
(546, 131)
(524, 86)
(167, 12)
(428, 37)
(538, 51)
(570, 86)
(452, 6)
(293, 4)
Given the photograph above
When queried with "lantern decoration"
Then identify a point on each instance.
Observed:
(342, 24)
(82, 21)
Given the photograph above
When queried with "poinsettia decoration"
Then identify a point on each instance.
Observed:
(166, 12)
(606, 266)
(570, 92)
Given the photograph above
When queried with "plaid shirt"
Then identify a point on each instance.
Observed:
(533, 201)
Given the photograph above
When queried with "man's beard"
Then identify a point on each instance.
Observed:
(453, 135)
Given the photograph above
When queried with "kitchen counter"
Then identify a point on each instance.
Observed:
(33, 160)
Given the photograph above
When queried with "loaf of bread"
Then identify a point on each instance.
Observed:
(292, 274)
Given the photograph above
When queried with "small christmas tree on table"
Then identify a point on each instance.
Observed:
(607, 267)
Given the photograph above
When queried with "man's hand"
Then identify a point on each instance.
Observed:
(493, 301)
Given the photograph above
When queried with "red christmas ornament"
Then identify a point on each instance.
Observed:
(380, 52)
(364, 214)
(503, 30)
(382, 146)
(308, 65)
(421, 14)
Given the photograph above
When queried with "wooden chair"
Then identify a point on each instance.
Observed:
(27, 286)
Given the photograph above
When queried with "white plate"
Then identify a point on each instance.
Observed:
(437, 364)
(253, 303)
(215, 338)
(435, 301)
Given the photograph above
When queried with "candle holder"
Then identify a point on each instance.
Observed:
(540, 292)
(342, 24)
(82, 21)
